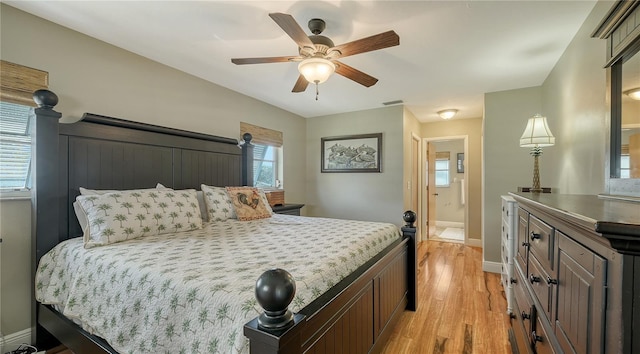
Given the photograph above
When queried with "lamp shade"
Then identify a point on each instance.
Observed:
(537, 133)
(316, 70)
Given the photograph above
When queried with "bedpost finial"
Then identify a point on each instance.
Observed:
(45, 98)
(275, 290)
(409, 217)
(247, 137)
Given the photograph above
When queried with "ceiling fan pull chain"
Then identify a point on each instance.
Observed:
(317, 90)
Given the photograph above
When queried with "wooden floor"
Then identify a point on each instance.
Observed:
(461, 308)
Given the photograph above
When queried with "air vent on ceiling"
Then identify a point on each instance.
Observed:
(392, 102)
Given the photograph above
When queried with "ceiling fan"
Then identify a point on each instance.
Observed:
(318, 56)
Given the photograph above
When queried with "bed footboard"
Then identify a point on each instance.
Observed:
(359, 318)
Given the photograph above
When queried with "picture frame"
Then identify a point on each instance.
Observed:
(351, 153)
(460, 162)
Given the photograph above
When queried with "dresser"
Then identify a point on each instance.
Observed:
(576, 285)
(508, 247)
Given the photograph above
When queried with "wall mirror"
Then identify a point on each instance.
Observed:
(620, 27)
(629, 149)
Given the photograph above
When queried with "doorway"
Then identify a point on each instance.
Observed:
(445, 207)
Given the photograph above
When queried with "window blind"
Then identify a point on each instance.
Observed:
(264, 136)
(442, 155)
(17, 84)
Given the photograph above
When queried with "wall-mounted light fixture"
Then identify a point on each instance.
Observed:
(447, 113)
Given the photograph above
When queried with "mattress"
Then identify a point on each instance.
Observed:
(192, 292)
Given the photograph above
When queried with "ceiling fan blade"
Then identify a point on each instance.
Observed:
(293, 29)
(301, 84)
(243, 61)
(375, 42)
(355, 74)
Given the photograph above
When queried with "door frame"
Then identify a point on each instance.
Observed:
(418, 187)
(465, 138)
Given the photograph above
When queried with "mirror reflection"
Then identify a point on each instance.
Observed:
(630, 138)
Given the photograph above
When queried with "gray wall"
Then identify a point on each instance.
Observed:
(506, 165)
(573, 98)
(359, 196)
(91, 76)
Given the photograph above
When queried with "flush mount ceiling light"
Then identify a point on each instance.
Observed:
(447, 113)
(633, 93)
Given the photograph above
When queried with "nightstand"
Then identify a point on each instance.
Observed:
(289, 209)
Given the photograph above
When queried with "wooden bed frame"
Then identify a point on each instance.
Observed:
(355, 316)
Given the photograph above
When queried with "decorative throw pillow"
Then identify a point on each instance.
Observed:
(219, 206)
(248, 203)
(116, 217)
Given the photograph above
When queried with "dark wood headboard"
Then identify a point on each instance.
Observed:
(101, 152)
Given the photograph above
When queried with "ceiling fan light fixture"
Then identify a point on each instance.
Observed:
(447, 113)
(316, 70)
(634, 93)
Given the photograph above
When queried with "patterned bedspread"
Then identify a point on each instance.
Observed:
(192, 292)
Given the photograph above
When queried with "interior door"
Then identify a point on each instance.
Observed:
(430, 223)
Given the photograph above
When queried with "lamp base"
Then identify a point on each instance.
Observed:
(534, 190)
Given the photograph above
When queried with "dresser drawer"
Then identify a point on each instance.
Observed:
(524, 304)
(538, 278)
(541, 339)
(523, 240)
(541, 242)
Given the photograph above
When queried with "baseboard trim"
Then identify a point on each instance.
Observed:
(450, 224)
(473, 242)
(12, 341)
(492, 267)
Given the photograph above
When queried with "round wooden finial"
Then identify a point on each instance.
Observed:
(275, 290)
(247, 137)
(45, 98)
(409, 217)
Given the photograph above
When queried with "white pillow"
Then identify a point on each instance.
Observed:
(116, 217)
(218, 203)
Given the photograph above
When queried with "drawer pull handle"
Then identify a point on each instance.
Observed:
(551, 281)
(513, 281)
(535, 236)
(525, 244)
(533, 279)
(525, 316)
(535, 337)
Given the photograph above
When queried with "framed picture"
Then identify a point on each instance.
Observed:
(460, 162)
(351, 153)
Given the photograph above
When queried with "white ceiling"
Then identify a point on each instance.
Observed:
(450, 52)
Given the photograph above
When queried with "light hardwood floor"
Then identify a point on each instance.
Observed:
(461, 309)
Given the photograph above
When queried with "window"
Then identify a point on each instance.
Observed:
(625, 167)
(442, 172)
(15, 146)
(267, 155)
(266, 165)
(16, 99)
